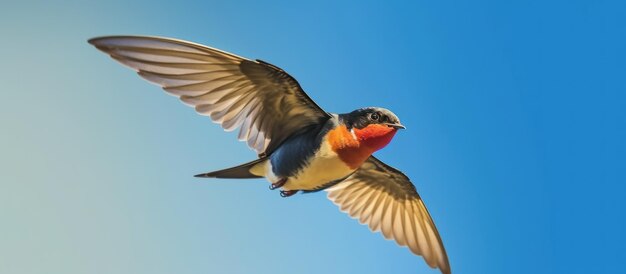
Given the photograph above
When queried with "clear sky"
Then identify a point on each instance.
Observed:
(516, 126)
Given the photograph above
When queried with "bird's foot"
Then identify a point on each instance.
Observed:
(287, 193)
(278, 184)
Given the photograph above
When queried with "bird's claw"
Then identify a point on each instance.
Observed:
(278, 184)
(287, 193)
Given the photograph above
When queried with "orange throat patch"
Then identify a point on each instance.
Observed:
(355, 147)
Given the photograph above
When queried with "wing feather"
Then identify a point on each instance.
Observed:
(385, 199)
(262, 100)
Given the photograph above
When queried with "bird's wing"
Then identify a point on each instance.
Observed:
(385, 199)
(263, 100)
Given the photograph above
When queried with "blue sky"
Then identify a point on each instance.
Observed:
(516, 126)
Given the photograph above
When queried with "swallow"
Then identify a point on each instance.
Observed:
(300, 147)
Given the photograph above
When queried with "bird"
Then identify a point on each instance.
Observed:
(299, 146)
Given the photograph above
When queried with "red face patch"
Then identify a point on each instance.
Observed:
(369, 139)
(375, 136)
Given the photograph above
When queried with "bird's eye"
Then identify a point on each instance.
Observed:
(375, 116)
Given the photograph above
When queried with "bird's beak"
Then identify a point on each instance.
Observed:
(396, 126)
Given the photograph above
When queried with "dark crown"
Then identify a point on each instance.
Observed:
(363, 117)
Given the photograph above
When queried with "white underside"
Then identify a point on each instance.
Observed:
(324, 167)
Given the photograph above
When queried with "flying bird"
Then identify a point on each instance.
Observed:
(300, 147)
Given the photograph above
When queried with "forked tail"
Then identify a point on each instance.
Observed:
(243, 171)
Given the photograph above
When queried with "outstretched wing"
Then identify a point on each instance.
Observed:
(383, 198)
(266, 103)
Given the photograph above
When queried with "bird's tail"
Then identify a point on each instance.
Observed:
(254, 169)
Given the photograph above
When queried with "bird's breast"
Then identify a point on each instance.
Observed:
(321, 168)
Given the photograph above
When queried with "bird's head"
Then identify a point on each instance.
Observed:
(364, 117)
(373, 126)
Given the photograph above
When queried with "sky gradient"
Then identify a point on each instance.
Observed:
(515, 117)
